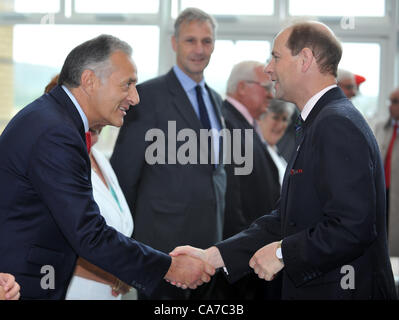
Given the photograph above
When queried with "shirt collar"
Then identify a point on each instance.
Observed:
(186, 82)
(313, 100)
(78, 107)
(241, 109)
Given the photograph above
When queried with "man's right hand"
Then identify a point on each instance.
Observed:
(189, 272)
(211, 255)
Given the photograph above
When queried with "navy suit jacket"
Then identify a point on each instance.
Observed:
(47, 212)
(331, 213)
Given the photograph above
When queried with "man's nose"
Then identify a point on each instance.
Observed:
(268, 69)
(133, 96)
(199, 47)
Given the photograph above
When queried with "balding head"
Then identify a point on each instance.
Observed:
(320, 39)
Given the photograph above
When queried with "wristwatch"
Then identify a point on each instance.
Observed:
(279, 253)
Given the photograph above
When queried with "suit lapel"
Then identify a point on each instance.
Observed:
(333, 94)
(182, 103)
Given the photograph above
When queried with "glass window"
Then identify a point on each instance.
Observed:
(364, 59)
(29, 6)
(228, 53)
(339, 8)
(39, 52)
(116, 6)
(228, 7)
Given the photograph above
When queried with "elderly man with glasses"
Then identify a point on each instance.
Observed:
(249, 93)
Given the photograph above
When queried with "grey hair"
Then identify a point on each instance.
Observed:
(344, 74)
(93, 55)
(194, 14)
(279, 107)
(242, 71)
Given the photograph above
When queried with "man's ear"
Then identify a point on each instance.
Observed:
(88, 80)
(241, 88)
(307, 59)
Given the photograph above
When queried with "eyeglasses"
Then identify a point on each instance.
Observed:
(267, 87)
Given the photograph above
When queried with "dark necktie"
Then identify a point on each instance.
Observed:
(298, 129)
(88, 141)
(203, 113)
(388, 158)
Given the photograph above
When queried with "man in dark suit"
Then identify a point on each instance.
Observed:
(249, 92)
(47, 213)
(248, 196)
(328, 233)
(174, 202)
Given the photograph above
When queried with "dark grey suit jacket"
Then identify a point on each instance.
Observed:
(248, 197)
(331, 213)
(172, 204)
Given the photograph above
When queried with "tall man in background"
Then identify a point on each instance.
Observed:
(175, 203)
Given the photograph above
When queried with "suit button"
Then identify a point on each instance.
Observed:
(292, 224)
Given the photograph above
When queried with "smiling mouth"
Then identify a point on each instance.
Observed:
(124, 109)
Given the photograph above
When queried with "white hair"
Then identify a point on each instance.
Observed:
(344, 74)
(243, 71)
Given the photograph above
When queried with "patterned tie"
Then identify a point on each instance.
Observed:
(88, 141)
(203, 113)
(388, 158)
(298, 129)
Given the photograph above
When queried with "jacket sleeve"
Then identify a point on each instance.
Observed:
(239, 249)
(59, 172)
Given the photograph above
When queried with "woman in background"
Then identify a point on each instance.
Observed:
(273, 124)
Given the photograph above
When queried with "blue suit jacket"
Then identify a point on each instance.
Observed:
(331, 213)
(47, 212)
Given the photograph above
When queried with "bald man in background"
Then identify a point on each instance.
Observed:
(327, 236)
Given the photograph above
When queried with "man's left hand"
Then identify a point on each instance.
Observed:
(265, 262)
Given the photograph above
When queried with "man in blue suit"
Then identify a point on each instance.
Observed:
(47, 213)
(328, 233)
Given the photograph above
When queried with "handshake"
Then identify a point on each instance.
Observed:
(191, 267)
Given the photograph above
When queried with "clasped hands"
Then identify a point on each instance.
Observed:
(191, 267)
